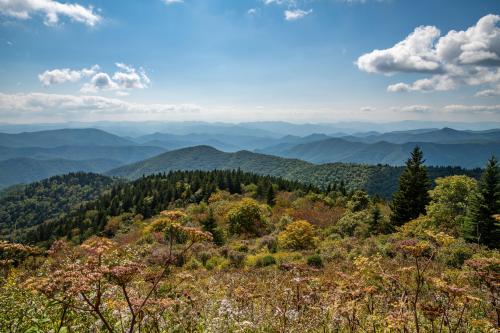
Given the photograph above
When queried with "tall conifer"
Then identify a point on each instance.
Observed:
(409, 201)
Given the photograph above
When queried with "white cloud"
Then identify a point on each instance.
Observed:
(279, 2)
(470, 57)
(57, 76)
(493, 92)
(171, 2)
(252, 11)
(50, 106)
(413, 54)
(368, 109)
(493, 109)
(52, 10)
(295, 14)
(413, 109)
(436, 82)
(126, 78)
(100, 81)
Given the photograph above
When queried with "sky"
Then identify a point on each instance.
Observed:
(249, 60)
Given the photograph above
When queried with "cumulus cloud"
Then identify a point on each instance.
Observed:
(295, 14)
(52, 10)
(125, 78)
(414, 54)
(57, 76)
(40, 105)
(368, 109)
(469, 57)
(100, 81)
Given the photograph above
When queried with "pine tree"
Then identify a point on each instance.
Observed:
(375, 220)
(409, 201)
(210, 225)
(271, 200)
(481, 224)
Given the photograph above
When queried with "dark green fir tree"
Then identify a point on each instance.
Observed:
(409, 201)
(482, 224)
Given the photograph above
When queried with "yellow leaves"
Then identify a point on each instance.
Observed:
(440, 238)
(193, 234)
(11, 280)
(158, 225)
(16, 248)
(166, 219)
(170, 222)
(297, 235)
(447, 287)
(415, 248)
(219, 196)
(175, 215)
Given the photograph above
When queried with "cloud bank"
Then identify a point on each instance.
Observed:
(48, 106)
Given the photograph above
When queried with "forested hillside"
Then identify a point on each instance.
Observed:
(148, 196)
(27, 170)
(25, 206)
(375, 179)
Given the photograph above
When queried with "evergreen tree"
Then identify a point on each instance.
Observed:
(409, 201)
(210, 225)
(481, 224)
(375, 220)
(270, 197)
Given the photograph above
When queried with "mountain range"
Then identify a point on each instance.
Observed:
(253, 147)
(467, 155)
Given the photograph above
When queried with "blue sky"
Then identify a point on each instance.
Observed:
(238, 60)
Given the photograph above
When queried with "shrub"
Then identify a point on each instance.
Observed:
(270, 242)
(315, 261)
(246, 217)
(355, 224)
(204, 257)
(193, 264)
(359, 201)
(264, 261)
(236, 258)
(214, 262)
(297, 235)
(455, 254)
(242, 247)
(450, 200)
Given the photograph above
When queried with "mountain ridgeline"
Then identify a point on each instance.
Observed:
(467, 155)
(375, 179)
(360, 160)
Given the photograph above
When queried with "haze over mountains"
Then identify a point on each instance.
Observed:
(268, 148)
